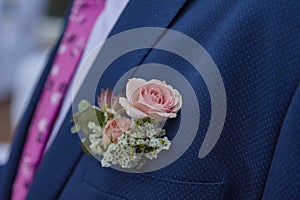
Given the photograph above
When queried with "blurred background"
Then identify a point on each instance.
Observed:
(28, 30)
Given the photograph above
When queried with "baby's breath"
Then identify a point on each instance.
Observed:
(143, 140)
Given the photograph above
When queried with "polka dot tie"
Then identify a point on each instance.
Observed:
(82, 18)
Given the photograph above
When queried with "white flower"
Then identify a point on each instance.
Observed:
(129, 142)
(94, 128)
(152, 155)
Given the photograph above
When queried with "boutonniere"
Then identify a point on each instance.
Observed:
(127, 131)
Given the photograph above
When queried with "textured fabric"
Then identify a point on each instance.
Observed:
(256, 46)
(257, 54)
(283, 177)
(84, 13)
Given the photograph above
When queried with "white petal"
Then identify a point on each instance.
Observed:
(157, 81)
(135, 113)
(163, 115)
(132, 85)
(123, 102)
(130, 110)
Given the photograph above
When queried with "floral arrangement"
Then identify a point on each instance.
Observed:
(128, 130)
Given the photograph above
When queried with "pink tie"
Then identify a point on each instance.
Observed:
(83, 16)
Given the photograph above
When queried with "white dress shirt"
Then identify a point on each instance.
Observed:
(103, 25)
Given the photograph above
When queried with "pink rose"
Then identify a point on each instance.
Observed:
(154, 99)
(114, 128)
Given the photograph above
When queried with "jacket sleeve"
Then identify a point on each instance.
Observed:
(283, 180)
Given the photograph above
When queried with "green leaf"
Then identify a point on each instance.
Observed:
(89, 114)
(83, 105)
(100, 117)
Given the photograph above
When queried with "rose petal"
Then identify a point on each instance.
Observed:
(179, 104)
(132, 85)
(159, 116)
(123, 123)
(155, 81)
(115, 133)
(130, 110)
(153, 98)
(107, 138)
(141, 107)
(156, 107)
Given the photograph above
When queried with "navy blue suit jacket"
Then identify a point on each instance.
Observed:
(256, 47)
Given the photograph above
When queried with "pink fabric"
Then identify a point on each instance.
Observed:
(83, 16)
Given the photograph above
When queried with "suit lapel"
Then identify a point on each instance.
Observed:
(65, 152)
(149, 13)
